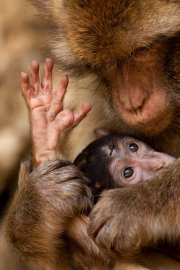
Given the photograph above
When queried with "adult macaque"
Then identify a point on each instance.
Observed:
(119, 161)
(123, 57)
(56, 191)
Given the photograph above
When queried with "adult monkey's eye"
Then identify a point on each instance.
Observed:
(133, 147)
(128, 172)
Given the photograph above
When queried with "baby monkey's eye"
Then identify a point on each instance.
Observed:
(133, 147)
(128, 172)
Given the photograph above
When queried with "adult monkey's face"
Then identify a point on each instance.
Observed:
(134, 48)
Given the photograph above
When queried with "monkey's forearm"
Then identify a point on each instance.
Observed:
(47, 199)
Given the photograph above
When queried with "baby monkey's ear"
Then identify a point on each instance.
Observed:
(102, 132)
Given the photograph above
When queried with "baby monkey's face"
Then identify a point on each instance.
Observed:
(131, 161)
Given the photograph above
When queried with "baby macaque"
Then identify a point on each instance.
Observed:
(119, 160)
(110, 162)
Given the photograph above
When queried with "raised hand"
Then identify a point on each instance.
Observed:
(47, 118)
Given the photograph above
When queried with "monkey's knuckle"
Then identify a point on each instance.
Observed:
(117, 241)
(105, 237)
(99, 225)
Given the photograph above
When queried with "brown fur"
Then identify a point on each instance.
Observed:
(93, 51)
(48, 220)
(123, 57)
(44, 224)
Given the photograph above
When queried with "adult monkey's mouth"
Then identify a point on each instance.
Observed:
(139, 93)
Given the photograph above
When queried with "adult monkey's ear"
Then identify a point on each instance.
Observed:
(102, 132)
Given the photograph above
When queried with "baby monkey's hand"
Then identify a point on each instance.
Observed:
(48, 120)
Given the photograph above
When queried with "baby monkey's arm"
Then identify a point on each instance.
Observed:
(48, 120)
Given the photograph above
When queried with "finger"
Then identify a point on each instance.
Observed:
(26, 87)
(35, 85)
(65, 120)
(55, 108)
(60, 92)
(47, 75)
(59, 126)
(82, 112)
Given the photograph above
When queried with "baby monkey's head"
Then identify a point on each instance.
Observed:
(118, 161)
